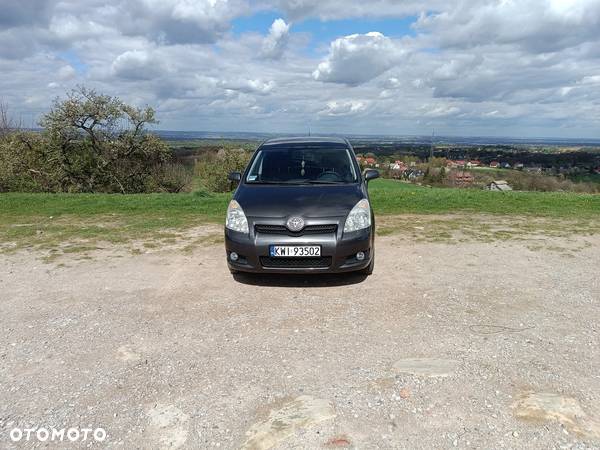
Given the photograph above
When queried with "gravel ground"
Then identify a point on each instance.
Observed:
(470, 345)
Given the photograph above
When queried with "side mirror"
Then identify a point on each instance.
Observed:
(235, 176)
(371, 174)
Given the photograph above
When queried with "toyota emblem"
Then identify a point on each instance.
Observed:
(295, 223)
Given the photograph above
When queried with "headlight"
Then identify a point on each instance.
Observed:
(359, 218)
(236, 219)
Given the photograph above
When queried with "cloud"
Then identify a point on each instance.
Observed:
(19, 13)
(358, 58)
(333, 9)
(441, 111)
(246, 86)
(137, 65)
(66, 72)
(180, 21)
(276, 41)
(534, 25)
(343, 108)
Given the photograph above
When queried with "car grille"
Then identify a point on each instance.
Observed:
(296, 263)
(307, 230)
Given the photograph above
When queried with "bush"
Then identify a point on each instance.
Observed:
(90, 143)
(172, 178)
(25, 165)
(214, 168)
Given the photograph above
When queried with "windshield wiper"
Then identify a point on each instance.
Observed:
(296, 183)
(324, 182)
(274, 182)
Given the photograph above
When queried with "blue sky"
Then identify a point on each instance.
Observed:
(478, 67)
(322, 32)
(74, 61)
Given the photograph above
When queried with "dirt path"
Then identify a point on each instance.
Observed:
(446, 345)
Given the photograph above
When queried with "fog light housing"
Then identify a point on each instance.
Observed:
(360, 256)
(233, 256)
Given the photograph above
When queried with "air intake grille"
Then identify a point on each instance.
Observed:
(308, 230)
(296, 263)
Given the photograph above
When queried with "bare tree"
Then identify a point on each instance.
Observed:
(7, 124)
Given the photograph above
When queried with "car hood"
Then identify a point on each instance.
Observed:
(305, 201)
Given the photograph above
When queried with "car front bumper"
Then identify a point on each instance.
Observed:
(338, 251)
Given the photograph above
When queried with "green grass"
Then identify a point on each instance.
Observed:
(391, 197)
(51, 220)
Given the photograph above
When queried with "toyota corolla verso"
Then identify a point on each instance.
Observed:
(301, 206)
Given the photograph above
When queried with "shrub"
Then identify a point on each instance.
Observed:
(100, 144)
(90, 143)
(214, 168)
(170, 178)
(25, 164)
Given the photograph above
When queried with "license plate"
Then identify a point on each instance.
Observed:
(294, 251)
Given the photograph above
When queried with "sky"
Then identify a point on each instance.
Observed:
(522, 68)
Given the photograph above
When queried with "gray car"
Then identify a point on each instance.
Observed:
(301, 206)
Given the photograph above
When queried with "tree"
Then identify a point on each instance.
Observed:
(99, 143)
(7, 124)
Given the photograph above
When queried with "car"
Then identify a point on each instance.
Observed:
(301, 206)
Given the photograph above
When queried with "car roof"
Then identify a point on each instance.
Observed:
(324, 141)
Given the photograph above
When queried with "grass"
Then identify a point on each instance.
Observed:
(50, 220)
(391, 197)
(83, 220)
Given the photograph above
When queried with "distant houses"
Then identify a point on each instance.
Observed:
(400, 170)
(399, 165)
(464, 164)
(461, 178)
(367, 161)
(456, 163)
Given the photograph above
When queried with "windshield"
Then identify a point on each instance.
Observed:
(302, 165)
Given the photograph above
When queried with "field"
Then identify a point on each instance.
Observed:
(51, 220)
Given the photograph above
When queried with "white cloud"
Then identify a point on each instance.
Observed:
(137, 65)
(535, 25)
(246, 86)
(441, 111)
(358, 58)
(276, 41)
(181, 21)
(66, 72)
(334, 9)
(343, 108)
